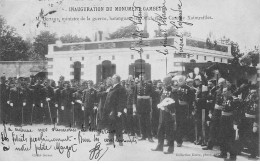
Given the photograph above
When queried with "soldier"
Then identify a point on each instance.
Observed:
(228, 126)
(156, 96)
(167, 121)
(17, 102)
(142, 105)
(213, 117)
(101, 95)
(250, 122)
(29, 103)
(200, 113)
(89, 101)
(58, 100)
(66, 104)
(129, 108)
(183, 93)
(78, 116)
(39, 95)
(190, 117)
(4, 113)
(50, 111)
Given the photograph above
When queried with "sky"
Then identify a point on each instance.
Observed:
(238, 20)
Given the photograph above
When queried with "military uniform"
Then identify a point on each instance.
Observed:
(29, 105)
(229, 109)
(167, 123)
(16, 97)
(39, 95)
(215, 116)
(249, 137)
(89, 100)
(183, 96)
(49, 110)
(4, 109)
(129, 115)
(190, 131)
(142, 101)
(200, 105)
(78, 113)
(101, 122)
(58, 100)
(66, 104)
(155, 113)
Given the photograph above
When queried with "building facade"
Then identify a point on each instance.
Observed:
(98, 60)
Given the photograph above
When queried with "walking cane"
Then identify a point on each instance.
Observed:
(49, 110)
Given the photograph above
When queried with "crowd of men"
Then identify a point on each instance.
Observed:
(209, 113)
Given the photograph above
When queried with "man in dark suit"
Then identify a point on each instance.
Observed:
(114, 105)
(89, 101)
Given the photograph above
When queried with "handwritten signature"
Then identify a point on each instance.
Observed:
(95, 152)
(180, 20)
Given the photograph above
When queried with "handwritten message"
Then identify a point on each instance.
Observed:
(54, 141)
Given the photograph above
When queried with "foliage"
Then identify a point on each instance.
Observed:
(123, 32)
(41, 43)
(73, 39)
(12, 46)
(251, 58)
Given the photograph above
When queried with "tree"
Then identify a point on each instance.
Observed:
(73, 39)
(12, 46)
(235, 51)
(123, 32)
(252, 57)
(41, 43)
(172, 31)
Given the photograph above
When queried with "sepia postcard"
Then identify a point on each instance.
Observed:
(129, 80)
